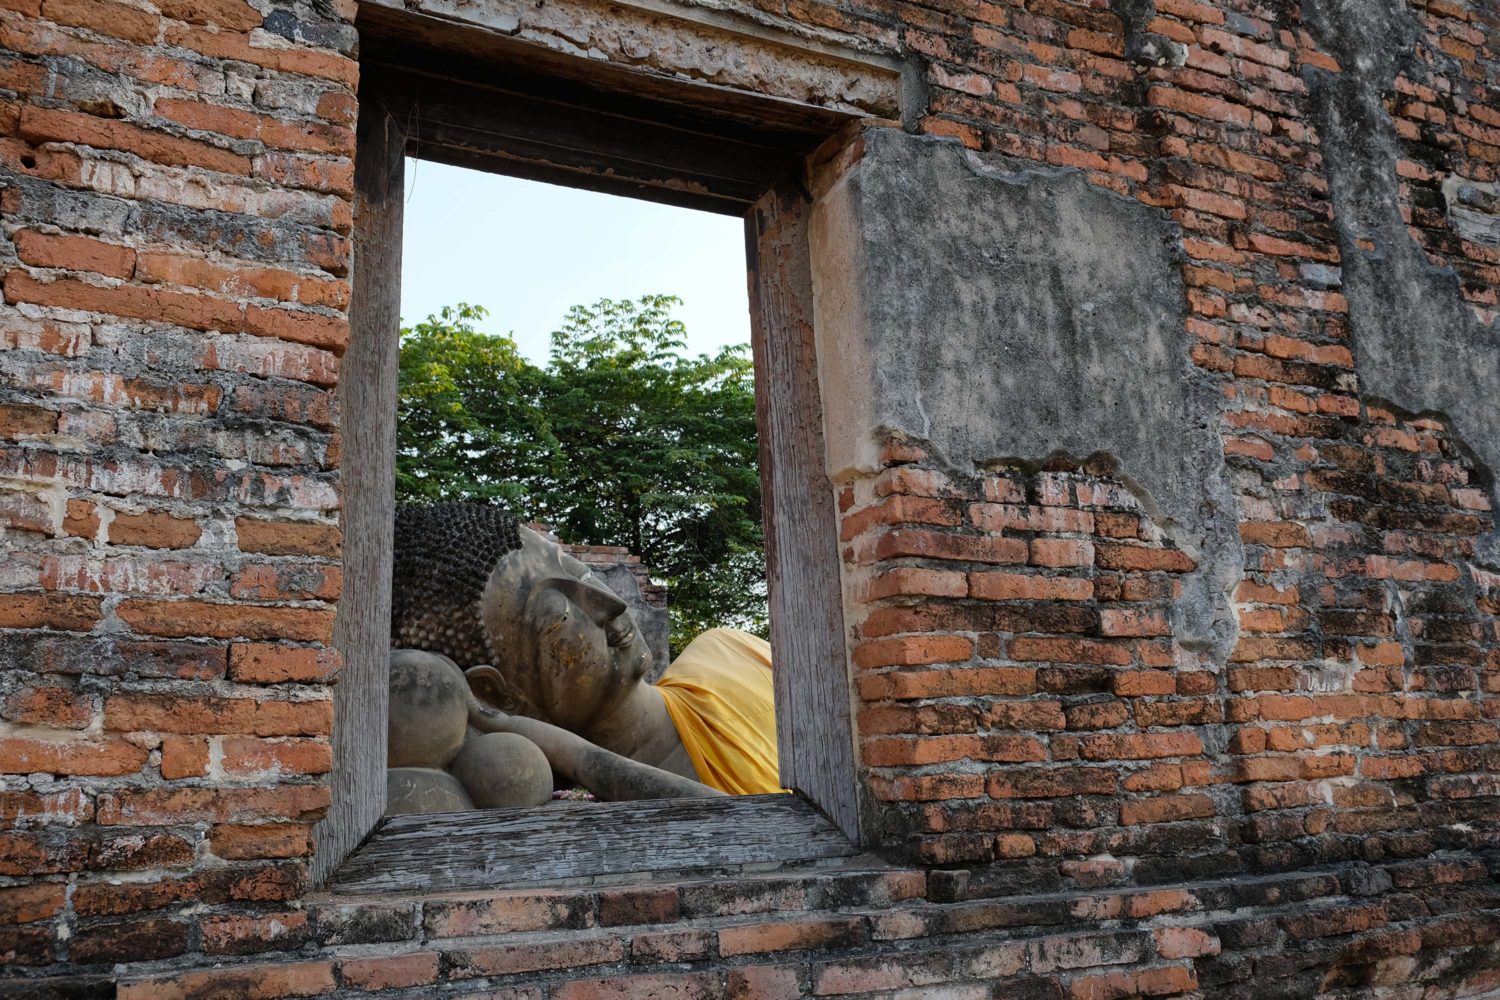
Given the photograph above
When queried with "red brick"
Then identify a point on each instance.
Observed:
(792, 935)
(1141, 683)
(235, 934)
(29, 854)
(912, 542)
(163, 713)
(909, 581)
(23, 904)
(198, 312)
(389, 972)
(255, 982)
(26, 512)
(1019, 587)
(94, 757)
(913, 651)
(154, 530)
(1061, 552)
(505, 913)
(21, 419)
(899, 510)
(154, 807)
(666, 986)
(316, 329)
(299, 136)
(899, 751)
(234, 842)
(136, 851)
(928, 787)
(687, 945)
(158, 267)
(48, 611)
(33, 808)
(40, 125)
(637, 906)
(1053, 782)
(75, 253)
(1165, 809)
(1028, 649)
(280, 582)
(247, 755)
(1164, 981)
(226, 621)
(762, 982)
(1335, 920)
(1099, 715)
(232, 15)
(269, 663)
(546, 952)
(1139, 558)
(1133, 622)
(59, 707)
(114, 19)
(81, 519)
(1141, 747)
(977, 681)
(289, 538)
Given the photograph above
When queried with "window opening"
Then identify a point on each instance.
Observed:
(448, 91)
(570, 451)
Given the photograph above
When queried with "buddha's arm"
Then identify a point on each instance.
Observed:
(608, 775)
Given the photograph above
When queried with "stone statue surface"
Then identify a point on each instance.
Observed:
(511, 655)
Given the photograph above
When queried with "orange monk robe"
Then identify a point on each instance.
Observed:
(718, 693)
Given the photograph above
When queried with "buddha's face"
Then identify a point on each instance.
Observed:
(560, 634)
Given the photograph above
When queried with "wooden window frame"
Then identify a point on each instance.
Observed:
(466, 86)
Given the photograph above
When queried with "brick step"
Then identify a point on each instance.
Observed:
(849, 931)
(859, 881)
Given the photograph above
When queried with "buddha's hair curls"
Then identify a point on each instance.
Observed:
(444, 555)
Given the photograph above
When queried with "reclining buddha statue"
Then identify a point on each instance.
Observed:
(515, 670)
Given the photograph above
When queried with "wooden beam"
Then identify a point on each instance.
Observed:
(571, 840)
(367, 404)
(815, 733)
(578, 138)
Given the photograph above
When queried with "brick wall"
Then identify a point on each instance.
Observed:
(1081, 805)
(175, 182)
(1022, 620)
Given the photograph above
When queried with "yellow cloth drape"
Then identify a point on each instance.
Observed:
(718, 693)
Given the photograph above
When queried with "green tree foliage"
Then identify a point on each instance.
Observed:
(620, 439)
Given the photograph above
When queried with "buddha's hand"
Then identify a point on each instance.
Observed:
(483, 714)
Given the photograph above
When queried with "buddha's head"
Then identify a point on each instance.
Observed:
(472, 583)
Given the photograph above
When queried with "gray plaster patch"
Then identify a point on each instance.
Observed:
(1418, 344)
(999, 315)
(1142, 47)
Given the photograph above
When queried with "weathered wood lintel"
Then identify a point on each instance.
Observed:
(582, 138)
(719, 45)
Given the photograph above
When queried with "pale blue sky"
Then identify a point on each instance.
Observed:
(527, 251)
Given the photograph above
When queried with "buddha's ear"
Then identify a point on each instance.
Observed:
(490, 686)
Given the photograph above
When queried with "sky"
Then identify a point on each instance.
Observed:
(526, 251)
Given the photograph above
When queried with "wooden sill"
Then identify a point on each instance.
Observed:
(570, 841)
